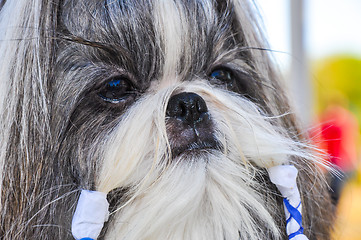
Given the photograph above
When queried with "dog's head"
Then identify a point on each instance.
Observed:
(171, 107)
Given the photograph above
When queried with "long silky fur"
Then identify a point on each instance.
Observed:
(57, 136)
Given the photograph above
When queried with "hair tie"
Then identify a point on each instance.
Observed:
(90, 215)
(284, 177)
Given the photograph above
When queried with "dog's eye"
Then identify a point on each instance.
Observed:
(222, 74)
(236, 81)
(116, 90)
(222, 77)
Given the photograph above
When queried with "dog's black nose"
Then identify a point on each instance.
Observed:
(189, 124)
(188, 107)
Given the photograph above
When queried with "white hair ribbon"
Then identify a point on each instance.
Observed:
(284, 177)
(90, 215)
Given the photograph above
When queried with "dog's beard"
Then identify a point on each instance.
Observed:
(201, 193)
(203, 197)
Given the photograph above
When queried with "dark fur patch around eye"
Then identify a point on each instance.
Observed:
(104, 102)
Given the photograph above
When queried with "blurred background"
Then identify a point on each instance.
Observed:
(317, 44)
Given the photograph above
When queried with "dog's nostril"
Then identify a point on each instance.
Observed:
(187, 106)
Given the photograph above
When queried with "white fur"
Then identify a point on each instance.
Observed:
(210, 196)
(171, 30)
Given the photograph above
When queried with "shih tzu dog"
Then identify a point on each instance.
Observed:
(169, 109)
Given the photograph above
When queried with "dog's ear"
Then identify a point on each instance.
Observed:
(27, 50)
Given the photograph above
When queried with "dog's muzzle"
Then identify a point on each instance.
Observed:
(189, 125)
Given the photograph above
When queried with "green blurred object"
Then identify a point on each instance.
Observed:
(338, 81)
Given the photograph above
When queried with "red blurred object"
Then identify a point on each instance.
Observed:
(339, 131)
(338, 138)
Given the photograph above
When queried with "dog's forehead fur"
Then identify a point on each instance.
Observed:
(157, 40)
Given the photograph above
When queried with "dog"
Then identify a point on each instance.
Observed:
(172, 109)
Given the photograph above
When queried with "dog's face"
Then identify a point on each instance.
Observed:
(175, 100)
(173, 109)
